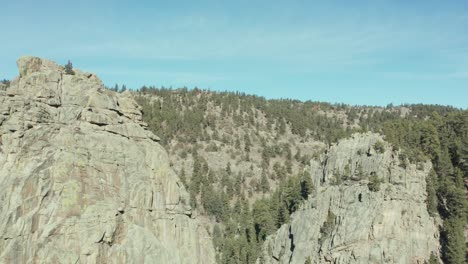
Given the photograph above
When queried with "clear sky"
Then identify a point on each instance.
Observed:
(357, 52)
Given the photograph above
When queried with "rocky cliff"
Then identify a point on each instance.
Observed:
(351, 218)
(83, 181)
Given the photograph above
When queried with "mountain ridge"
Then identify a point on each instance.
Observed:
(240, 182)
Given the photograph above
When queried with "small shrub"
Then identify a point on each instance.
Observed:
(433, 259)
(69, 68)
(359, 172)
(183, 154)
(318, 153)
(347, 171)
(337, 179)
(211, 147)
(327, 226)
(403, 160)
(379, 147)
(374, 183)
(5, 82)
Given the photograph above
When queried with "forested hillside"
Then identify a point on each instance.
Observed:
(243, 158)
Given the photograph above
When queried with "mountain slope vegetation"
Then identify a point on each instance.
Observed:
(243, 157)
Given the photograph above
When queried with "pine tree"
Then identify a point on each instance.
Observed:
(374, 183)
(183, 178)
(292, 194)
(237, 144)
(228, 168)
(328, 225)
(431, 187)
(264, 184)
(433, 259)
(263, 220)
(217, 237)
(360, 171)
(281, 127)
(288, 165)
(197, 175)
(430, 140)
(453, 246)
(5, 82)
(298, 155)
(306, 185)
(69, 68)
(347, 171)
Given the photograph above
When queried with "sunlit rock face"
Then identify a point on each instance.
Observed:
(365, 225)
(83, 181)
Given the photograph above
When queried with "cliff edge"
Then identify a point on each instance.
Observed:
(368, 207)
(83, 181)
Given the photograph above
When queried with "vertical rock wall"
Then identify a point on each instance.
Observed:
(83, 181)
(391, 225)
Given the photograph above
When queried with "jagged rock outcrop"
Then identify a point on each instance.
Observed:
(83, 181)
(349, 223)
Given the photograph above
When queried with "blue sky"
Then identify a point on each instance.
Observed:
(356, 52)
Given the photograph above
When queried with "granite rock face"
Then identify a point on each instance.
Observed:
(83, 181)
(349, 223)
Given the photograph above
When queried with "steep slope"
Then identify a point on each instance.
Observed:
(83, 181)
(377, 214)
(242, 158)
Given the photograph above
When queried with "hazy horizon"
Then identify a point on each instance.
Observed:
(359, 53)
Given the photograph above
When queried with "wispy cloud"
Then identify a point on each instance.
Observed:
(426, 76)
(318, 44)
(175, 78)
(250, 44)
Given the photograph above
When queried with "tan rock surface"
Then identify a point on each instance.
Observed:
(391, 225)
(83, 181)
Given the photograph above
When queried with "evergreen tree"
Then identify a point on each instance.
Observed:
(431, 187)
(288, 165)
(433, 259)
(453, 242)
(183, 177)
(247, 143)
(430, 140)
(292, 194)
(264, 184)
(238, 144)
(228, 168)
(69, 68)
(5, 82)
(263, 220)
(306, 185)
(197, 175)
(217, 237)
(298, 156)
(374, 183)
(327, 226)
